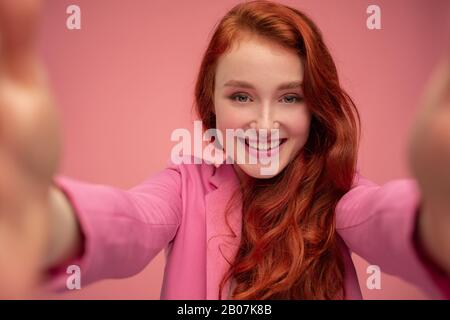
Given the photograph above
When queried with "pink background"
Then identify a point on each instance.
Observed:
(125, 81)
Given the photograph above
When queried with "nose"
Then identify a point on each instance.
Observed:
(265, 118)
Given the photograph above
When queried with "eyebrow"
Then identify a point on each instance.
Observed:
(244, 84)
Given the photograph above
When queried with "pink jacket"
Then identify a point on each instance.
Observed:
(180, 207)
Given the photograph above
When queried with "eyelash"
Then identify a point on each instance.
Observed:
(236, 95)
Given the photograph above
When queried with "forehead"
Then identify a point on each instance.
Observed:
(260, 61)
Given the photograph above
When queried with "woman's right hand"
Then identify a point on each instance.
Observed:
(29, 151)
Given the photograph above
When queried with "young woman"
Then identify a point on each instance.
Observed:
(228, 230)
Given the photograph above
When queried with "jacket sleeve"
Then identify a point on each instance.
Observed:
(123, 230)
(379, 224)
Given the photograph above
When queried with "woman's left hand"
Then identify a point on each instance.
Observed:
(429, 160)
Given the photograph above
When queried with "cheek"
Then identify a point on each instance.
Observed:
(228, 117)
(298, 123)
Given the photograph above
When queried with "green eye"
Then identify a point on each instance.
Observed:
(291, 99)
(241, 98)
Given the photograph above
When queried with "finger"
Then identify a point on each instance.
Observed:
(29, 128)
(18, 26)
(437, 91)
(429, 145)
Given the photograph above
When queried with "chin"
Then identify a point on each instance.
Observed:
(259, 171)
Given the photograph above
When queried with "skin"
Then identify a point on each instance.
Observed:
(429, 159)
(38, 228)
(37, 225)
(247, 95)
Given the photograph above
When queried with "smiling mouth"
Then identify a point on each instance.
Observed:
(264, 146)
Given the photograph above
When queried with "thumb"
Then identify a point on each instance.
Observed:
(18, 26)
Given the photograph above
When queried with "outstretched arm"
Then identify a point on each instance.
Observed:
(379, 223)
(121, 230)
(47, 222)
(403, 226)
(29, 152)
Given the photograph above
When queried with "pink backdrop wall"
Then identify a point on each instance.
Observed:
(125, 81)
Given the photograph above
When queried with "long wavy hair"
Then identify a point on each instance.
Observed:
(289, 245)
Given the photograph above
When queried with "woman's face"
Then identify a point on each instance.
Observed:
(258, 86)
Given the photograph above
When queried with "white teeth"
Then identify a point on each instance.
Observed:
(262, 146)
(275, 143)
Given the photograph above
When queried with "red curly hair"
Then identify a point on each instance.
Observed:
(289, 245)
